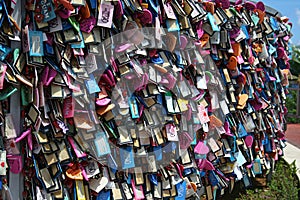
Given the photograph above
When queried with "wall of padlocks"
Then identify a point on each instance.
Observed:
(148, 99)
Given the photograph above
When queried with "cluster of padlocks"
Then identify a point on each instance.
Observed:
(141, 99)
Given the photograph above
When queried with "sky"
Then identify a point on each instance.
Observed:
(291, 9)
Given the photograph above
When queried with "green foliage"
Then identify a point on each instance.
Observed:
(291, 101)
(294, 67)
(283, 186)
(291, 104)
(296, 54)
(295, 61)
